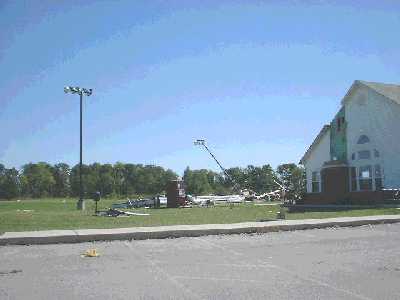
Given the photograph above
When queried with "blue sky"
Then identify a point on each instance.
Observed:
(256, 79)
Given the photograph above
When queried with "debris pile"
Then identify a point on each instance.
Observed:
(137, 203)
(112, 212)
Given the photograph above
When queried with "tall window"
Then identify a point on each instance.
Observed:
(353, 178)
(316, 182)
(378, 177)
(365, 178)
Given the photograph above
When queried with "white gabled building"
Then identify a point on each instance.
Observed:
(358, 153)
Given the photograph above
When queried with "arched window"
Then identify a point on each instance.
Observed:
(363, 139)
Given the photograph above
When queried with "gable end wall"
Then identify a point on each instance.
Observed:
(319, 155)
(378, 117)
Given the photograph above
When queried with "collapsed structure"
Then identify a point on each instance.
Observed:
(356, 158)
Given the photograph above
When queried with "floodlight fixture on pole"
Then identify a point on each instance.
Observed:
(200, 142)
(87, 92)
(77, 90)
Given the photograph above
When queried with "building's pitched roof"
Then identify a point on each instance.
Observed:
(323, 131)
(391, 91)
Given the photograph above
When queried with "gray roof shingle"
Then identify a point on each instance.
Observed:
(391, 91)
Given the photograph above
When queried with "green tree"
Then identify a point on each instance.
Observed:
(9, 183)
(119, 178)
(2, 178)
(38, 180)
(293, 179)
(238, 179)
(130, 174)
(89, 181)
(106, 180)
(2, 170)
(260, 179)
(197, 182)
(149, 180)
(61, 175)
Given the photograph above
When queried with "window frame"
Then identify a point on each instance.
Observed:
(363, 139)
(353, 179)
(360, 154)
(316, 180)
(378, 177)
(362, 180)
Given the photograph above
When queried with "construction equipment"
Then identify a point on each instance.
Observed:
(236, 186)
(251, 194)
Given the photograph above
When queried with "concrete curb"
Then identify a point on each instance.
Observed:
(161, 232)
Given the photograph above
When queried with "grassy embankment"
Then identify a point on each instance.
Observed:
(43, 214)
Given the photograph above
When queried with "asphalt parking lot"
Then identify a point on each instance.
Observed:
(343, 263)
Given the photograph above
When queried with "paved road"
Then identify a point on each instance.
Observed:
(346, 263)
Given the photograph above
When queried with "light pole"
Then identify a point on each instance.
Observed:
(80, 205)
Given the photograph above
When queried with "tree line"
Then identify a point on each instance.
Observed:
(253, 178)
(37, 180)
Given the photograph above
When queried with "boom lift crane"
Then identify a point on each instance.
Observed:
(236, 186)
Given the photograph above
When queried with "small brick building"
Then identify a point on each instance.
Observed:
(176, 195)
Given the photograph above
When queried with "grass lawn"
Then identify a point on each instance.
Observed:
(27, 215)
